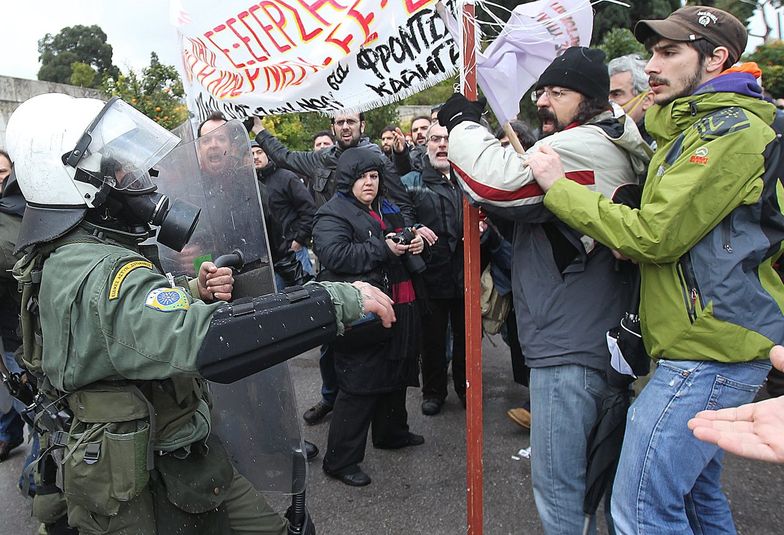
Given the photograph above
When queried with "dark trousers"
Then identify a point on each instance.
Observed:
(329, 377)
(520, 372)
(351, 418)
(435, 323)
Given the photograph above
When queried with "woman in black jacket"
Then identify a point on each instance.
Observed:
(354, 237)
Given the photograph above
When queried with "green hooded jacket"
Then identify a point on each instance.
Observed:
(707, 233)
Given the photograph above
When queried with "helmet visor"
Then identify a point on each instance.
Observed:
(129, 144)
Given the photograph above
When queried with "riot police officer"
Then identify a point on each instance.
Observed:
(124, 348)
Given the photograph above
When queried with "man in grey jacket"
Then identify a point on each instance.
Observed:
(567, 288)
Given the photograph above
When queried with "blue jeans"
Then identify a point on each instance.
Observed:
(307, 266)
(11, 424)
(668, 481)
(329, 377)
(304, 258)
(565, 403)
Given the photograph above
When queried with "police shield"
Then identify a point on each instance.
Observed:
(255, 417)
(216, 173)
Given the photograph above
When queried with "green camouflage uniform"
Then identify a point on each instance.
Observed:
(121, 343)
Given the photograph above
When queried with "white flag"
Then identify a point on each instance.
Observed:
(535, 34)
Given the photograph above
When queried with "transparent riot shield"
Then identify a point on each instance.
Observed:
(185, 132)
(255, 417)
(216, 173)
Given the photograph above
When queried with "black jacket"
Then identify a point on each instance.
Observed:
(290, 204)
(438, 202)
(11, 211)
(350, 245)
(320, 166)
(411, 159)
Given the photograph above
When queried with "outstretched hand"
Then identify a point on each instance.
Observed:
(377, 302)
(399, 144)
(754, 430)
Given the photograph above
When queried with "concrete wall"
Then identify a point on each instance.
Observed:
(14, 91)
(407, 113)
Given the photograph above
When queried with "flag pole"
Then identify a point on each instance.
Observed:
(473, 317)
(512, 137)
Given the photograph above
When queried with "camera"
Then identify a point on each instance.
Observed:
(413, 263)
(404, 237)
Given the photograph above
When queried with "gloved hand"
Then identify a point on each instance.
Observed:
(458, 109)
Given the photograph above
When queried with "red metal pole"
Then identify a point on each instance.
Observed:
(473, 317)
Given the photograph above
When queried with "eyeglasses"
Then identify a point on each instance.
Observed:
(552, 94)
(347, 122)
(438, 139)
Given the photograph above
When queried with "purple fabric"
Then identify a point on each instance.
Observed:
(742, 83)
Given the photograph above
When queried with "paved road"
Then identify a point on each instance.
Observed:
(422, 490)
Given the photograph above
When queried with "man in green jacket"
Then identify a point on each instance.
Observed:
(708, 230)
(124, 348)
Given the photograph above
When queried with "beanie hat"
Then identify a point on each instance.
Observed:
(690, 23)
(580, 69)
(254, 144)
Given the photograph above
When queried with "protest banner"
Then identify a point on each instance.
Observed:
(282, 56)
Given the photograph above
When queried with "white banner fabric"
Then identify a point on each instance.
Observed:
(281, 56)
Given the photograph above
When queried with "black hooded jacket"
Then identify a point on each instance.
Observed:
(319, 168)
(12, 207)
(350, 244)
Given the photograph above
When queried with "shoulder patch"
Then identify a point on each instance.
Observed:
(168, 299)
(114, 289)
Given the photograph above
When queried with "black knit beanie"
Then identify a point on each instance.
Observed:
(581, 69)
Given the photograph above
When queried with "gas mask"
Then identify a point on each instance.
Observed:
(114, 160)
(176, 219)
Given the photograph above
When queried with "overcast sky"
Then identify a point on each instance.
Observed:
(134, 28)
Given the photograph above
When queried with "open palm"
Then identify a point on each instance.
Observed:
(754, 430)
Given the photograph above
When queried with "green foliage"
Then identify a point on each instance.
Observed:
(75, 45)
(620, 42)
(433, 95)
(157, 92)
(377, 119)
(295, 130)
(82, 75)
(773, 78)
(770, 58)
(612, 16)
(768, 54)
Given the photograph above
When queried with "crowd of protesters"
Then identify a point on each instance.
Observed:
(688, 129)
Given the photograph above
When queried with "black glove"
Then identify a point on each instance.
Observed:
(458, 109)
